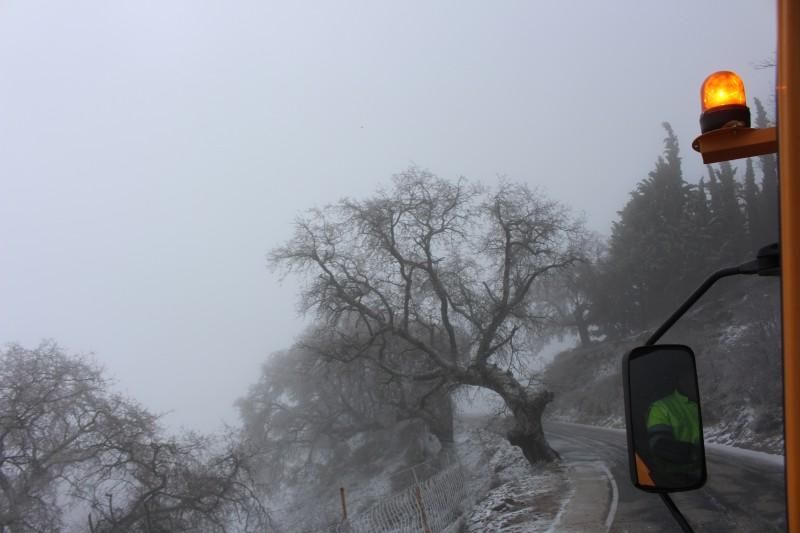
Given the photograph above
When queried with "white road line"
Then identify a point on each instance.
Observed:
(557, 520)
(612, 510)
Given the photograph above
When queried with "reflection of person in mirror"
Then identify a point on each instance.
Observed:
(673, 428)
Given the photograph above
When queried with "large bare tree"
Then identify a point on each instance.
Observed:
(442, 269)
(65, 438)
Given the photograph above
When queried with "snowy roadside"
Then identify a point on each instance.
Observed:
(517, 497)
(736, 435)
(712, 442)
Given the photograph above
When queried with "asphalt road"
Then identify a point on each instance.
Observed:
(745, 492)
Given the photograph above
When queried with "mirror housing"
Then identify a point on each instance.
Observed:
(663, 420)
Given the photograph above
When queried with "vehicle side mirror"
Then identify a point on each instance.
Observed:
(662, 418)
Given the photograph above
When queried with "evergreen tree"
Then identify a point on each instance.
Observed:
(699, 239)
(751, 207)
(646, 270)
(768, 199)
(715, 204)
(728, 221)
(671, 234)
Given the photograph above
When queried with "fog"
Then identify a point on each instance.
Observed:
(151, 153)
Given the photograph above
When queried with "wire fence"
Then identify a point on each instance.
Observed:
(428, 497)
(428, 506)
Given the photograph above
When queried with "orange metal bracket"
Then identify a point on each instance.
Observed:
(735, 143)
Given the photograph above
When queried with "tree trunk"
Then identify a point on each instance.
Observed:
(581, 323)
(583, 331)
(527, 432)
(437, 411)
(444, 415)
(526, 405)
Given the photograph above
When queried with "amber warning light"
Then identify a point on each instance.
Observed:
(724, 103)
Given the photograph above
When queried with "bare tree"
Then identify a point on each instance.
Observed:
(569, 291)
(301, 408)
(188, 484)
(312, 397)
(446, 270)
(370, 378)
(55, 421)
(64, 435)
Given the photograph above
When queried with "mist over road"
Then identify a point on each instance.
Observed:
(745, 491)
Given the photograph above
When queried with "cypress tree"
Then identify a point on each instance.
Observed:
(650, 243)
(698, 234)
(715, 204)
(727, 230)
(752, 207)
(768, 201)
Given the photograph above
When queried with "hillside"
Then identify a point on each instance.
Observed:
(735, 334)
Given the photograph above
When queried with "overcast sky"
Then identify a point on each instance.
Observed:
(151, 153)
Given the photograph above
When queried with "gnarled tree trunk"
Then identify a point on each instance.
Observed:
(525, 404)
(440, 408)
(583, 329)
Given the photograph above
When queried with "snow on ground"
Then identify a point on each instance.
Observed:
(777, 460)
(710, 444)
(735, 434)
(739, 433)
(528, 501)
(574, 416)
(732, 334)
(515, 496)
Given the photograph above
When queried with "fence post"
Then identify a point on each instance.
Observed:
(344, 504)
(423, 517)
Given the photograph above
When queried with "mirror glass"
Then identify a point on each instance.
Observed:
(665, 431)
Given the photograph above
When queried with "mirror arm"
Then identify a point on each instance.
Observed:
(766, 263)
(746, 268)
(676, 513)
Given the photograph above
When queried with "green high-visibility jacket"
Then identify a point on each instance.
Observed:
(678, 413)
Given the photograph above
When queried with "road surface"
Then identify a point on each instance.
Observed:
(744, 493)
